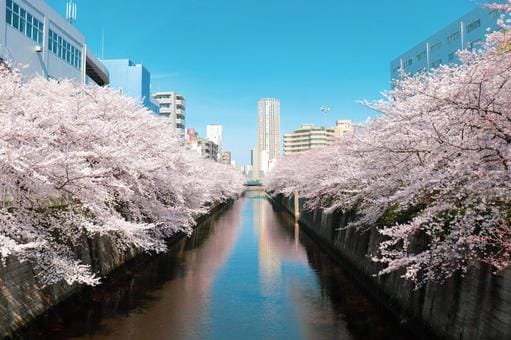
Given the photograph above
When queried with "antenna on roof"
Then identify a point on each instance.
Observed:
(71, 11)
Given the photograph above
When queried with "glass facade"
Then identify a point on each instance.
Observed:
(17, 17)
(64, 50)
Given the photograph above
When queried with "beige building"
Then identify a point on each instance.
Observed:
(343, 128)
(307, 137)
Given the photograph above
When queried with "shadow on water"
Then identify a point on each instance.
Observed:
(246, 272)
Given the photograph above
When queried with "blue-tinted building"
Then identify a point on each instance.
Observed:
(441, 47)
(38, 41)
(133, 80)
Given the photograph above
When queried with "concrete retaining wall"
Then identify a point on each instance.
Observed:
(474, 306)
(22, 298)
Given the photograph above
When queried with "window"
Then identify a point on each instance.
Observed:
(23, 16)
(421, 55)
(64, 50)
(435, 47)
(8, 12)
(17, 17)
(436, 63)
(452, 55)
(164, 106)
(409, 62)
(453, 37)
(473, 25)
(29, 26)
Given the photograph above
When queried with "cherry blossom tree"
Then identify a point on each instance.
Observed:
(432, 171)
(78, 161)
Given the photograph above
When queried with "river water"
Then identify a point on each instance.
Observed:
(248, 272)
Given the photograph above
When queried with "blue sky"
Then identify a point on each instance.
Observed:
(225, 54)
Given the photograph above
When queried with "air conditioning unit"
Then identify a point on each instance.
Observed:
(38, 49)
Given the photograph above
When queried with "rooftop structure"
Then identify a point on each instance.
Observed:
(37, 40)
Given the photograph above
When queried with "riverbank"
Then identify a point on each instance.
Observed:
(23, 299)
(474, 306)
(248, 272)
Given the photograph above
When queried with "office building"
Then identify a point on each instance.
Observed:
(133, 80)
(172, 106)
(37, 40)
(440, 48)
(269, 126)
(343, 128)
(202, 146)
(307, 137)
(268, 138)
(208, 149)
(214, 133)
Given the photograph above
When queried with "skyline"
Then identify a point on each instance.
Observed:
(223, 55)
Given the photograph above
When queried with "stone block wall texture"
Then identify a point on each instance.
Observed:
(475, 306)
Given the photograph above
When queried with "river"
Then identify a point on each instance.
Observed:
(248, 272)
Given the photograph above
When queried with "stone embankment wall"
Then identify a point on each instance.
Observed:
(22, 298)
(474, 306)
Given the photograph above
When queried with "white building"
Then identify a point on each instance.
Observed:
(215, 134)
(38, 41)
(172, 105)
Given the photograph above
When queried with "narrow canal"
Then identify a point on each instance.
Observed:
(246, 273)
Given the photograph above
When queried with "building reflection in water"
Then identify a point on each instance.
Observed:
(275, 245)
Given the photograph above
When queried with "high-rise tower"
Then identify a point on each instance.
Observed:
(269, 127)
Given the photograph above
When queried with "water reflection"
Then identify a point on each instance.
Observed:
(249, 273)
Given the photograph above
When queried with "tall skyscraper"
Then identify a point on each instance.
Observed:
(269, 127)
(214, 134)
